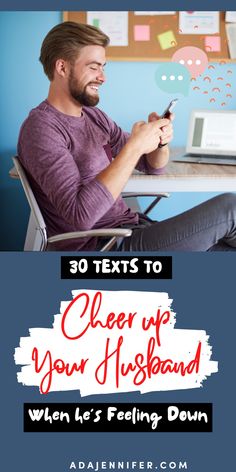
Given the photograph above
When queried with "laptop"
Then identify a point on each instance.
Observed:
(211, 138)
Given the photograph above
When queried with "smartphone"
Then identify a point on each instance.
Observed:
(169, 109)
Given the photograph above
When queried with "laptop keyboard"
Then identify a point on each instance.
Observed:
(209, 156)
(206, 159)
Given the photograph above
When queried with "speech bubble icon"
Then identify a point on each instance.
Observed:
(195, 59)
(173, 78)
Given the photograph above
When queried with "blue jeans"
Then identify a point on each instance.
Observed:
(210, 226)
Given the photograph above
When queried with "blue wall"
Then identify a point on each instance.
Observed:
(129, 95)
(23, 85)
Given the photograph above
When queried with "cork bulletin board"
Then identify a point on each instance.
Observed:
(151, 50)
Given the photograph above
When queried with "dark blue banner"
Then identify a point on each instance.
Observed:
(121, 5)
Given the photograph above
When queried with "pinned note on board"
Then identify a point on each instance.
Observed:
(167, 40)
(212, 43)
(96, 22)
(141, 32)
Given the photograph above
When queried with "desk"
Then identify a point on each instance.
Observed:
(184, 177)
(178, 177)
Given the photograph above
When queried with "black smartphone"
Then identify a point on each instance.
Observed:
(169, 109)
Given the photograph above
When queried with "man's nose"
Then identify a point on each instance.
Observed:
(101, 76)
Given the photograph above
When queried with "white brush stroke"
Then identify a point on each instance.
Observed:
(176, 344)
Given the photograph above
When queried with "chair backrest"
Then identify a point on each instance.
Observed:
(35, 210)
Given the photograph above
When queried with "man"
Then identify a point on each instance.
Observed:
(66, 145)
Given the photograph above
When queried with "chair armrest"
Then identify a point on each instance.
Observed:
(113, 233)
(158, 195)
(117, 232)
(145, 194)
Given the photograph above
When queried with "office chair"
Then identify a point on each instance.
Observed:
(37, 239)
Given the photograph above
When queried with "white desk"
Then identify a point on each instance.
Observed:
(180, 177)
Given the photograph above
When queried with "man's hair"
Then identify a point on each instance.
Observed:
(65, 40)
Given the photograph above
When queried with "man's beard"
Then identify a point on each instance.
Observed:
(80, 95)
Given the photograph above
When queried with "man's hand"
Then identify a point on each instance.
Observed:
(167, 130)
(145, 137)
(159, 157)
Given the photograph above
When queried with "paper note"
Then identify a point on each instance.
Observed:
(230, 16)
(112, 23)
(96, 22)
(167, 40)
(212, 43)
(231, 36)
(142, 33)
(198, 22)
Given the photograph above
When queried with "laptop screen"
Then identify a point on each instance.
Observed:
(212, 132)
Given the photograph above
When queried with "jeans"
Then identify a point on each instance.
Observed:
(210, 226)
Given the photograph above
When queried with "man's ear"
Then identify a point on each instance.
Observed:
(61, 67)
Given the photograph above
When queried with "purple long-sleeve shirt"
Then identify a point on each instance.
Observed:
(63, 155)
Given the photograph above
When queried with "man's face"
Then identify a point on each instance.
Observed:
(87, 75)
